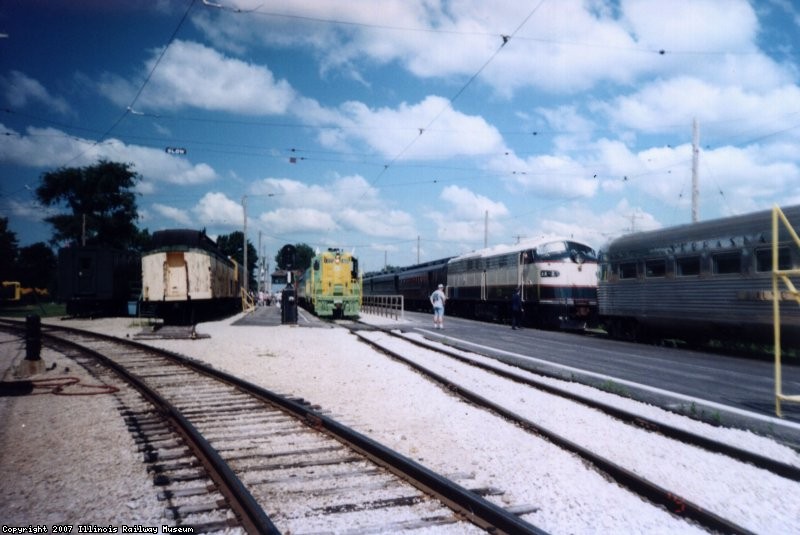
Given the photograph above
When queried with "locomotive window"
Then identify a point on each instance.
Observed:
(688, 266)
(655, 268)
(727, 263)
(627, 270)
(764, 259)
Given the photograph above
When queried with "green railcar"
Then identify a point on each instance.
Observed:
(331, 286)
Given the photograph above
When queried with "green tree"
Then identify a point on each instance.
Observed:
(302, 258)
(231, 245)
(101, 206)
(8, 251)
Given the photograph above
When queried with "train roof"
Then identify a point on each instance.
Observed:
(524, 245)
(333, 251)
(726, 232)
(174, 239)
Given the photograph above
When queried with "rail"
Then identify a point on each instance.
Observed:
(778, 276)
(392, 306)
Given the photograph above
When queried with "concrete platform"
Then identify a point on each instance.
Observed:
(270, 316)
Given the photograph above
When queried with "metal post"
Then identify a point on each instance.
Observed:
(695, 178)
(776, 312)
(33, 337)
(244, 243)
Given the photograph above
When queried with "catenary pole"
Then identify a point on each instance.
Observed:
(695, 178)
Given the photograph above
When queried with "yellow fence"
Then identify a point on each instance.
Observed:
(781, 276)
(248, 304)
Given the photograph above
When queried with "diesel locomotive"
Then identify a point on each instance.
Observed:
(557, 278)
(331, 286)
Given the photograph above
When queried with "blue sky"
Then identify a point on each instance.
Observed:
(398, 128)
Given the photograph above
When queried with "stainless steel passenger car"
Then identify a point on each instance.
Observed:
(557, 278)
(698, 281)
(186, 278)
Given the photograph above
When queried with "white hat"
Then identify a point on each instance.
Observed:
(441, 286)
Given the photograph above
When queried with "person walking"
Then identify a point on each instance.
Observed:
(516, 309)
(437, 300)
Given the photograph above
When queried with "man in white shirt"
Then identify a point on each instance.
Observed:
(437, 300)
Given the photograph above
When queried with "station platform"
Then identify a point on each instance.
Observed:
(270, 316)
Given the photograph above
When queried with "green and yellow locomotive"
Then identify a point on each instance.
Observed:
(331, 287)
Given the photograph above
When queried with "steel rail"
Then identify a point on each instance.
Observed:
(249, 512)
(641, 486)
(462, 501)
(772, 465)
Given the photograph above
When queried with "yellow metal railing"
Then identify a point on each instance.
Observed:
(248, 303)
(779, 275)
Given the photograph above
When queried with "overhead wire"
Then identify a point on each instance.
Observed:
(141, 88)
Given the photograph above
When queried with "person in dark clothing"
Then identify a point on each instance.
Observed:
(516, 309)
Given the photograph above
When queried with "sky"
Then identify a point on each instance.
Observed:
(405, 130)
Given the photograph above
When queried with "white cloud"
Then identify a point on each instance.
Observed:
(49, 147)
(175, 214)
(568, 45)
(289, 220)
(404, 131)
(380, 223)
(216, 209)
(346, 203)
(670, 105)
(20, 91)
(193, 75)
(461, 216)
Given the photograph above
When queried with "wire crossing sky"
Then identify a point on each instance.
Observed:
(393, 128)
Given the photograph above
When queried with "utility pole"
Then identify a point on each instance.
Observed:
(695, 178)
(633, 217)
(244, 241)
(486, 229)
(418, 249)
(260, 261)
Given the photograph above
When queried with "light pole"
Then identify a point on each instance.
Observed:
(244, 242)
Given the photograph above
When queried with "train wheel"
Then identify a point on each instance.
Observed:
(626, 329)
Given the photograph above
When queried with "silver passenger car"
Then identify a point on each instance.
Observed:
(701, 281)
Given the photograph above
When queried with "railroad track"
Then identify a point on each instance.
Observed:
(230, 454)
(397, 345)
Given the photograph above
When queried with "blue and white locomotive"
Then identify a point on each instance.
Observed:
(557, 278)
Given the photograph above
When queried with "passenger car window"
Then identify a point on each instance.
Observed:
(687, 266)
(764, 259)
(727, 263)
(627, 270)
(655, 268)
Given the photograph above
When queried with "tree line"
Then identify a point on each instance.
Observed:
(97, 207)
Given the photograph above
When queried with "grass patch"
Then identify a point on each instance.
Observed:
(614, 388)
(44, 310)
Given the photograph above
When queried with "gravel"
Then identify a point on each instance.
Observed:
(73, 461)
